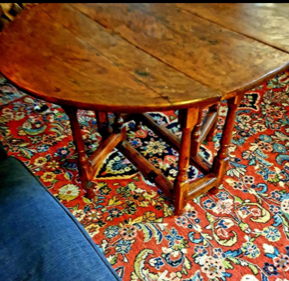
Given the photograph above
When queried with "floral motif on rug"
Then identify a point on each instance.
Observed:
(239, 232)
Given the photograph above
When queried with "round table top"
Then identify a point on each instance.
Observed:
(130, 57)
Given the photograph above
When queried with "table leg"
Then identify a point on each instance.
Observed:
(102, 123)
(195, 142)
(188, 119)
(210, 135)
(79, 144)
(221, 160)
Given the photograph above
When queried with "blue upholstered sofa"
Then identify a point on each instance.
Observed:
(39, 238)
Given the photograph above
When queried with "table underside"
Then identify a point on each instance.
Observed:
(195, 129)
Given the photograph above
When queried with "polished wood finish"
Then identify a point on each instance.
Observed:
(202, 185)
(201, 164)
(102, 151)
(83, 162)
(188, 119)
(103, 123)
(134, 58)
(211, 127)
(196, 135)
(88, 67)
(78, 141)
(210, 54)
(265, 22)
(221, 160)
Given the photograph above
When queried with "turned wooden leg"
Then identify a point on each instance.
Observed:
(210, 135)
(188, 118)
(195, 142)
(79, 144)
(102, 123)
(221, 160)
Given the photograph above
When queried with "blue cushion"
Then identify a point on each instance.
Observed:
(39, 238)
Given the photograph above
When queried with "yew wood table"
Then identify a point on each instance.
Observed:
(136, 58)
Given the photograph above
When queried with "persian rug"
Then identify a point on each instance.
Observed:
(238, 233)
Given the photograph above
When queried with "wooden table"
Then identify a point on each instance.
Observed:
(135, 58)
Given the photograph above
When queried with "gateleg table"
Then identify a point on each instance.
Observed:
(131, 59)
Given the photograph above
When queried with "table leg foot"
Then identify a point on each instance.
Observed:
(89, 191)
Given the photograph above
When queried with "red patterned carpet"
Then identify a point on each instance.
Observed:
(240, 233)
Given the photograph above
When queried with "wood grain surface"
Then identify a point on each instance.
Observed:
(265, 22)
(74, 61)
(134, 57)
(207, 52)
